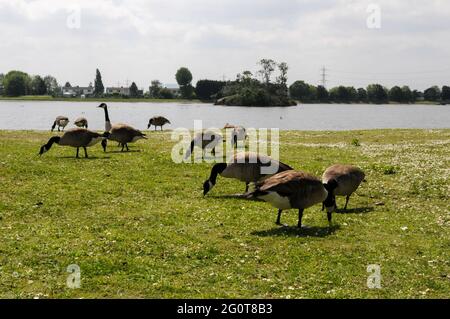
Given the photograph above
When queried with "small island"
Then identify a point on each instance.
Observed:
(249, 91)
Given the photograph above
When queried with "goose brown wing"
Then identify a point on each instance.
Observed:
(77, 137)
(289, 183)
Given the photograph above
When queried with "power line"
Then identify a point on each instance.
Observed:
(324, 76)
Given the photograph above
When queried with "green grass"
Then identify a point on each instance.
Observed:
(106, 99)
(138, 226)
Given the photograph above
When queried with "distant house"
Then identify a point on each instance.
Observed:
(123, 91)
(78, 91)
(174, 88)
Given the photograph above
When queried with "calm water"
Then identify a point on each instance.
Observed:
(30, 115)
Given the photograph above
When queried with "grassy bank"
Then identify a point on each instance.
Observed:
(138, 226)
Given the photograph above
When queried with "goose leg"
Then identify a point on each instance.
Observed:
(126, 145)
(123, 145)
(214, 151)
(246, 186)
(278, 222)
(346, 202)
(104, 144)
(78, 150)
(300, 215)
(329, 218)
(85, 152)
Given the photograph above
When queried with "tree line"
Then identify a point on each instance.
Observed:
(246, 89)
(374, 93)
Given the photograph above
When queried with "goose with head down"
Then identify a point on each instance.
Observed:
(247, 167)
(158, 121)
(60, 121)
(341, 180)
(77, 137)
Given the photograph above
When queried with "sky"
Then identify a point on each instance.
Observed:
(392, 42)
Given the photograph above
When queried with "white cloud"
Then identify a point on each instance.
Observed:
(142, 40)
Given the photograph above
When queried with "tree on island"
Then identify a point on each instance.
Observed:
(208, 89)
(249, 91)
(99, 89)
(267, 68)
(184, 79)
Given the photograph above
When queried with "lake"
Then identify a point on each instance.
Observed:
(39, 115)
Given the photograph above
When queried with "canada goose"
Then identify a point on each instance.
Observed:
(158, 121)
(246, 167)
(341, 180)
(81, 122)
(291, 189)
(123, 134)
(205, 140)
(238, 133)
(60, 121)
(77, 137)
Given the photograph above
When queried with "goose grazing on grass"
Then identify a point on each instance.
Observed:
(238, 133)
(205, 140)
(121, 133)
(291, 190)
(77, 137)
(60, 121)
(245, 166)
(81, 122)
(341, 180)
(158, 121)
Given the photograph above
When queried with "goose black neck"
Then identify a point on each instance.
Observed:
(106, 114)
(52, 140)
(216, 170)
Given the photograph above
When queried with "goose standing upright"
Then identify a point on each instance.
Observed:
(122, 133)
(291, 189)
(247, 167)
(60, 121)
(238, 133)
(77, 137)
(342, 180)
(205, 140)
